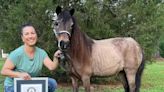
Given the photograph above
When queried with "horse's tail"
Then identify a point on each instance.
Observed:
(139, 74)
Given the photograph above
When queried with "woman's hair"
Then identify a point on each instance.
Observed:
(25, 25)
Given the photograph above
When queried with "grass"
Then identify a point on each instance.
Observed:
(1, 77)
(153, 78)
(152, 81)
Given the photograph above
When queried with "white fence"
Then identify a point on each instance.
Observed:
(4, 55)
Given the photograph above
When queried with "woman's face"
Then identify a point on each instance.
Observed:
(29, 36)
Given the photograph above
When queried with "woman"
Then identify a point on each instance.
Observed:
(27, 60)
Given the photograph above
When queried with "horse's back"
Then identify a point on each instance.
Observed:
(130, 51)
(112, 55)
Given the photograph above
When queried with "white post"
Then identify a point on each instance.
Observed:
(4, 55)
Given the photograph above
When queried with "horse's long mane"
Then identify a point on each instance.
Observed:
(81, 44)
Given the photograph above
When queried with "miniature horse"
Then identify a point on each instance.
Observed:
(89, 57)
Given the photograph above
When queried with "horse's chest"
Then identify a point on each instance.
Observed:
(106, 61)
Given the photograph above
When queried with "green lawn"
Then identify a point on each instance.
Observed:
(152, 81)
(153, 78)
(1, 77)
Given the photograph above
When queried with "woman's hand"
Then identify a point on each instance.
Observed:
(24, 76)
(7, 70)
(52, 65)
(57, 53)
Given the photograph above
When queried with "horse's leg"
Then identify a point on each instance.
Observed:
(86, 83)
(131, 74)
(124, 80)
(75, 84)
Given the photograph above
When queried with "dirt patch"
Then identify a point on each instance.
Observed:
(97, 86)
(160, 59)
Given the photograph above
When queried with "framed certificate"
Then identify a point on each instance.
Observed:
(39, 84)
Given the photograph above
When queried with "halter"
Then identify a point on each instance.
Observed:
(58, 33)
(64, 31)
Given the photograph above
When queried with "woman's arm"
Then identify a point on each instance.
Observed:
(52, 65)
(7, 70)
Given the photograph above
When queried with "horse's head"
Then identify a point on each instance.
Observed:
(62, 27)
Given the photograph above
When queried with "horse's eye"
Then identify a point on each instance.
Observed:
(71, 26)
(56, 23)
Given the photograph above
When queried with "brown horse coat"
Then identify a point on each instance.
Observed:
(89, 57)
(110, 56)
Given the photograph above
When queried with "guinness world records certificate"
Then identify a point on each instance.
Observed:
(37, 84)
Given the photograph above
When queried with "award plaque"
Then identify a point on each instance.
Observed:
(39, 84)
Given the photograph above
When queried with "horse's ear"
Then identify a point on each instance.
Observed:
(72, 11)
(58, 10)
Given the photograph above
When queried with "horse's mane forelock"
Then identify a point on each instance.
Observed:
(65, 15)
(81, 44)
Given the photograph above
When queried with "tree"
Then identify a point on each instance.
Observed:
(22, 12)
(127, 18)
(140, 19)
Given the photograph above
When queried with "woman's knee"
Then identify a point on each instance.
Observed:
(52, 84)
(9, 89)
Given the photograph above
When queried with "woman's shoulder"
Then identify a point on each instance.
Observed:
(17, 51)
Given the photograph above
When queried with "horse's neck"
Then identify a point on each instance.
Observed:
(79, 38)
(81, 44)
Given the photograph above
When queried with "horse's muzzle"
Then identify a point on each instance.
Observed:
(63, 45)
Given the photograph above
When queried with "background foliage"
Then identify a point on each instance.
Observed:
(140, 19)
